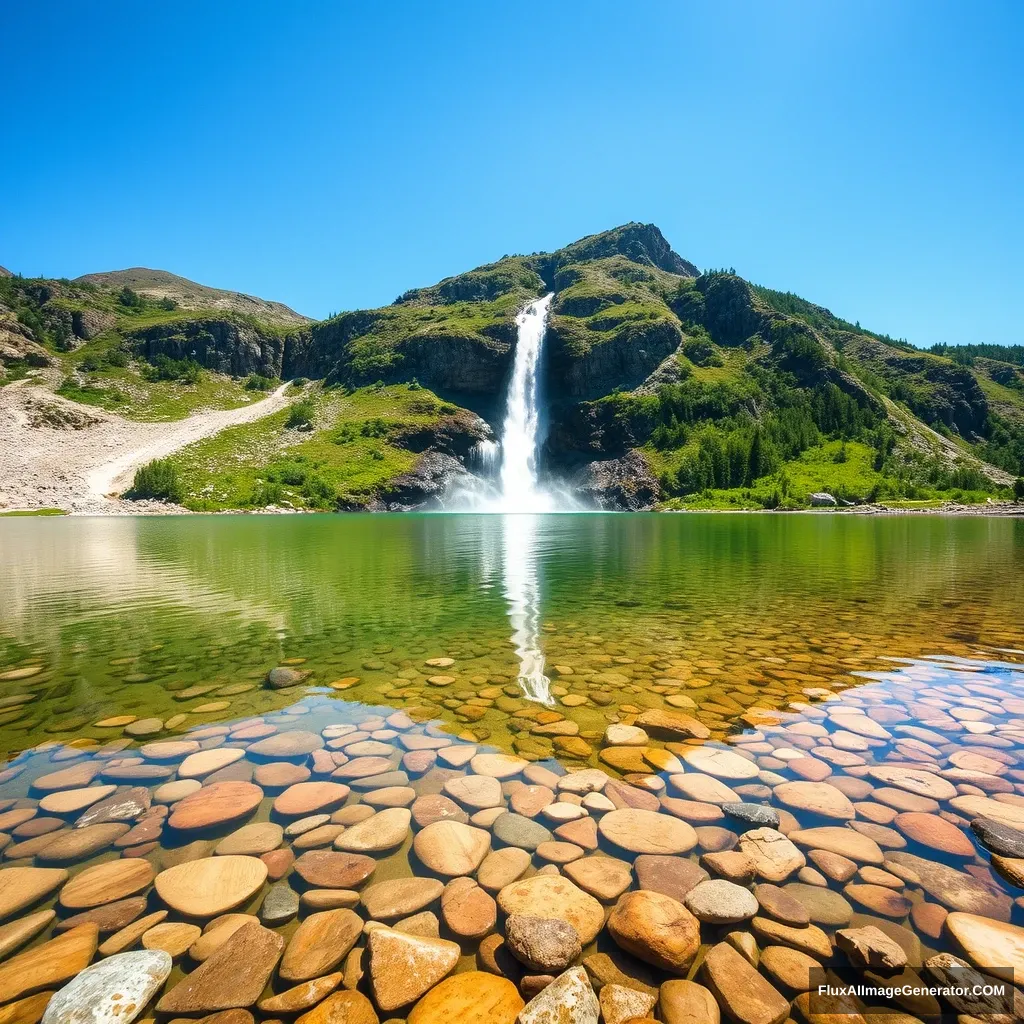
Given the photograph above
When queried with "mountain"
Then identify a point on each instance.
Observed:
(663, 385)
(159, 284)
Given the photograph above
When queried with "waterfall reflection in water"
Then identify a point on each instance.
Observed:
(523, 594)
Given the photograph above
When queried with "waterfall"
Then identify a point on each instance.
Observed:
(504, 479)
(520, 488)
(504, 475)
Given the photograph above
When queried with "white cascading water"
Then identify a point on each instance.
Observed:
(520, 433)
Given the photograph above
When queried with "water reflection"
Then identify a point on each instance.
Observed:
(523, 594)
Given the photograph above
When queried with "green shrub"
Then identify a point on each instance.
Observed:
(130, 298)
(167, 303)
(1018, 488)
(319, 492)
(157, 479)
(186, 371)
(264, 494)
(256, 382)
(301, 414)
(375, 427)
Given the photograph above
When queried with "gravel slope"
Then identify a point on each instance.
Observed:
(83, 464)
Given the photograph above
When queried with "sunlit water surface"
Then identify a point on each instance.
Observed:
(123, 614)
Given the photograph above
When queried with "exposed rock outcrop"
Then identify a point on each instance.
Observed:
(90, 323)
(229, 346)
(423, 486)
(641, 243)
(17, 346)
(625, 359)
(456, 435)
(625, 484)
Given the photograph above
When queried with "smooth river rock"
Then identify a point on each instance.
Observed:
(23, 886)
(210, 886)
(472, 997)
(556, 897)
(450, 848)
(647, 832)
(655, 928)
(745, 995)
(48, 965)
(319, 944)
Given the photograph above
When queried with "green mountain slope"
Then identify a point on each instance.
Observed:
(664, 386)
(159, 352)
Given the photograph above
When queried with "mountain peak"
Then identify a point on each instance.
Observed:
(641, 243)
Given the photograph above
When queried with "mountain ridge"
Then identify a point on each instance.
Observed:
(664, 384)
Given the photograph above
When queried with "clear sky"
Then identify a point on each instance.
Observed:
(867, 155)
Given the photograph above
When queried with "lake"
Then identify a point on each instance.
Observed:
(779, 602)
(817, 671)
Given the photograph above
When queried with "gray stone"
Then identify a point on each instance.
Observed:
(127, 805)
(718, 901)
(542, 943)
(755, 815)
(516, 830)
(280, 904)
(999, 837)
(281, 678)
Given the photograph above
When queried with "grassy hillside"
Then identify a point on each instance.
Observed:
(768, 399)
(332, 449)
(162, 287)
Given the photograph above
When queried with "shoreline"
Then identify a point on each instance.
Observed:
(991, 510)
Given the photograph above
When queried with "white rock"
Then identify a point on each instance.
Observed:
(588, 780)
(569, 999)
(625, 736)
(114, 991)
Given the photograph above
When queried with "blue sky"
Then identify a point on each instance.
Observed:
(330, 155)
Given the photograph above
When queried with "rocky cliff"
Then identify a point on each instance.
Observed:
(224, 344)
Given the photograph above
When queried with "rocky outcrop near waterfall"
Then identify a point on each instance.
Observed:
(451, 354)
(625, 484)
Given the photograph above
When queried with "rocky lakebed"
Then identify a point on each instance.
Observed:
(337, 862)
